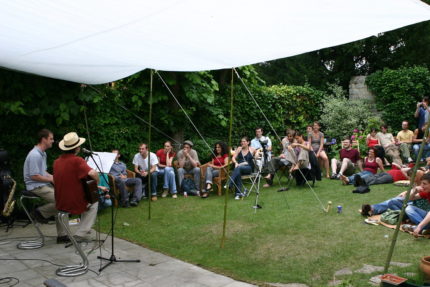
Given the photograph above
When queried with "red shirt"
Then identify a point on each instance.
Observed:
(219, 160)
(397, 174)
(69, 169)
(352, 154)
(162, 156)
(372, 142)
(371, 166)
(425, 195)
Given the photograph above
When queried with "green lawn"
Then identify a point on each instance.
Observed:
(289, 240)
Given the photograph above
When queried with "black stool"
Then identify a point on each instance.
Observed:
(40, 241)
(77, 269)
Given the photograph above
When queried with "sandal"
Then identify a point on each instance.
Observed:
(205, 195)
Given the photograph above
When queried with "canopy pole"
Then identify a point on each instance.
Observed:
(405, 201)
(148, 186)
(229, 158)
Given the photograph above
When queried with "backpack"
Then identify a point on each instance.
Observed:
(390, 216)
(189, 186)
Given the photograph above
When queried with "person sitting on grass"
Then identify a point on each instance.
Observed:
(283, 160)
(243, 160)
(404, 141)
(371, 165)
(396, 173)
(219, 161)
(389, 144)
(349, 160)
(419, 217)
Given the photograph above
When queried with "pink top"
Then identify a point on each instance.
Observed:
(372, 142)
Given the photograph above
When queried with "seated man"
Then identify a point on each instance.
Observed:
(389, 144)
(188, 164)
(69, 171)
(404, 141)
(259, 141)
(119, 171)
(165, 159)
(417, 140)
(349, 160)
(40, 182)
(277, 162)
(142, 171)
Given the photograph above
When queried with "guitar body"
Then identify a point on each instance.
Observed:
(90, 190)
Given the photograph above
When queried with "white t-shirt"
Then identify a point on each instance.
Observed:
(143, 163)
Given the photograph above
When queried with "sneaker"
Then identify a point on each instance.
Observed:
(408, 227)
(237, 197)
(63, 239)
(154, 198)
(334, 176)
(165, 193)
(133, 203)
(174, 195)
(366, 210)
(37, 216)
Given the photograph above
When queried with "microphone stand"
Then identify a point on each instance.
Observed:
(112, 257)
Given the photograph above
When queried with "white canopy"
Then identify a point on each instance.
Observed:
(97, 41)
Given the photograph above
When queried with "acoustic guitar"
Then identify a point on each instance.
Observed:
(91, 190)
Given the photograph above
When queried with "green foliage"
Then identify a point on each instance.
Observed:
(398, 91)
(341, 116)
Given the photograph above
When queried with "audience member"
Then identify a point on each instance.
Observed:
(143, 171)
(371, 165)
(119, 172)
(189, 163)
(165, 169)
(349, 160)
(282, 160)
(219, 161)
(417, 139)
(104, 196)
(389, 144)
(404, 140)
(243, 160)
(316, 138)
(259, 139)
(422, 112)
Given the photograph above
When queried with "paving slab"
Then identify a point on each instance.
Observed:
(154, 270)
(367, 269)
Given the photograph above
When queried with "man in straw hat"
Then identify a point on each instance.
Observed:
(69, 170)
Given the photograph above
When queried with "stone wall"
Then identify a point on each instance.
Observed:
(359, 90)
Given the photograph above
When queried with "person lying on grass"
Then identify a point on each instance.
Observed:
(371, 165)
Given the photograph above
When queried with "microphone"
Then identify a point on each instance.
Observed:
(87, 151)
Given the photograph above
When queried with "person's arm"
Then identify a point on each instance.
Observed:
(414, 138)
(181, 158)
(321, 144)
(94, 175)
(136, 169)
(43, 178)
(169, 159)
(417, 111)
(194, 161)
(153, 168)
(380, 165)
(367, 140)
(236, 153)
(422, 224)
(269, 144)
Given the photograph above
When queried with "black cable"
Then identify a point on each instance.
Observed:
(7, 280)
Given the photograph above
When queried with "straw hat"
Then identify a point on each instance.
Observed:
(71, 141)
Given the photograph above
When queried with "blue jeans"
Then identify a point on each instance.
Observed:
(416, 215)
(144, 179)
(363, 175)
(169, 181)
(426, 151)
(236, 177)
(394, 203)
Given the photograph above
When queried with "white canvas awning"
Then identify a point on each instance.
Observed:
(95, 41)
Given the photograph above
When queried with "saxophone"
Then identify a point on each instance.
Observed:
(10, 203)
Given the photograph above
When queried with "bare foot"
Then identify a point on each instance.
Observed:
(344, 179)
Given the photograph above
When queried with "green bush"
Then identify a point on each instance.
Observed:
(397, 92)
(340, 116)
